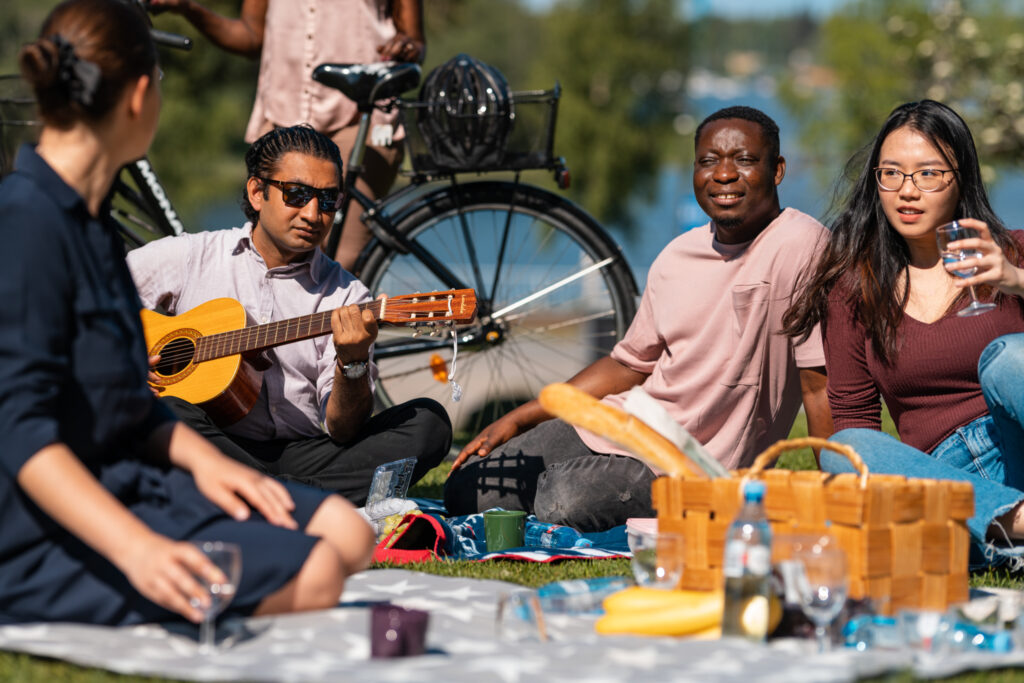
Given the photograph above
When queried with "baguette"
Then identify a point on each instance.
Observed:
(583, 410)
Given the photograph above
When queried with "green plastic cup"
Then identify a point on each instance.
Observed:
(504, 529)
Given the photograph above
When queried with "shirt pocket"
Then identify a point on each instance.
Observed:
(750, 306)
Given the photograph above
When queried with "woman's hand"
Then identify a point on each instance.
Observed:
(994, 268)
(402, 48)
(234, 487)
(491, 437)
(229, 484)
(166, 572)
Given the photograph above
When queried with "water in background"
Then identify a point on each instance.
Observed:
(674, 208)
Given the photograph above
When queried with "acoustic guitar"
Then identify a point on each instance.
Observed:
(203, 351)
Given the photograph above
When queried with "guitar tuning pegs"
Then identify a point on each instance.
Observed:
(417, 332)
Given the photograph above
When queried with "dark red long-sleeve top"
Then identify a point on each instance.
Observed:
(931, 388)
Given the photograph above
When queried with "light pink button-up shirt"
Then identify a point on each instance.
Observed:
(299, 36)
(179, 273)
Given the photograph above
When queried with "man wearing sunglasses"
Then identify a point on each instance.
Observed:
(312, 420)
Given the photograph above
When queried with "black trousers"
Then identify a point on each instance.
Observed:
(416, 429)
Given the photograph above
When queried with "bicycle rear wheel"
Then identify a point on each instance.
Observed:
(554, 294)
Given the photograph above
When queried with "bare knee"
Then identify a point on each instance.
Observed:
(317, 585)
(338, 523)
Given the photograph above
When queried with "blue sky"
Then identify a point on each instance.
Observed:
(737, 8)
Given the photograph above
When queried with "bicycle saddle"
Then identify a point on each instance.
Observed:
(364, 84)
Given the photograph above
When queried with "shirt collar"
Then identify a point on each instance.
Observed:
(316, 261)
(34, 166)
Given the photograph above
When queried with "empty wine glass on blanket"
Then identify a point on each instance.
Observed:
(822, 586)
(657, 559)
(951, 232)
(228, 558)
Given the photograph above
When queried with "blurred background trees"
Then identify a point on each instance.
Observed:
(636, 76)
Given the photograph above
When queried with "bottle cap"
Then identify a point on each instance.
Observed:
(754, 491)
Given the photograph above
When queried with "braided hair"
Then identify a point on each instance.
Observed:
(264, 155)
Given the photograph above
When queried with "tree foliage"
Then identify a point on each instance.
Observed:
(967, 54)
(621, 64)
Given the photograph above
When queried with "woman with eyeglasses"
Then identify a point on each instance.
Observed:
(103, 494)
(888, 308)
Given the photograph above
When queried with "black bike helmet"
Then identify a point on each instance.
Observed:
(468, 114)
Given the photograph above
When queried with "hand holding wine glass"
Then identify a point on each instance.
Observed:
(227, 557)
(822, 586)
(952, 232)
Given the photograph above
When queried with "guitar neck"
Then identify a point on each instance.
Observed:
(256, 338)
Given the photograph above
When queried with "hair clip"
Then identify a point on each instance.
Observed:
(81, 76)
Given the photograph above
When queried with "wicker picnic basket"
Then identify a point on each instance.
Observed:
(906, 540)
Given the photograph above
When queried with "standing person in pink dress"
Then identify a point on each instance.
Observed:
(292, 37)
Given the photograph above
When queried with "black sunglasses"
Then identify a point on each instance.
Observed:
(297, 195)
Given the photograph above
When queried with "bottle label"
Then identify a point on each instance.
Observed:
(741, 559)
(759, 560)
(732, 565)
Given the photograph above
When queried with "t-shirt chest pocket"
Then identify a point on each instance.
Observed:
(750, 307)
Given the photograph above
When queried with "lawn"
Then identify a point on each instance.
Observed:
(15, 667)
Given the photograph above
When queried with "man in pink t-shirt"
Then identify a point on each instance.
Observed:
(706, 344)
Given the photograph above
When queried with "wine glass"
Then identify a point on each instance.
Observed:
(951, 232)
(657, 559)
(822, 585)
(228, 558)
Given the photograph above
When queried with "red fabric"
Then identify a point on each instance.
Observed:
(932, 387)
(421, 541)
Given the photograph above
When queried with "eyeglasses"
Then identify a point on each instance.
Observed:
(297, 195)
(926, 180)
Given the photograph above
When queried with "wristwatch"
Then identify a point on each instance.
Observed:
(355, 369)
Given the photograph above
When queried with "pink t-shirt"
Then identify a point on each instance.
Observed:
(299, 36)
(707, 332)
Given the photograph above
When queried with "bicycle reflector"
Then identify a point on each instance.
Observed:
(468, 114)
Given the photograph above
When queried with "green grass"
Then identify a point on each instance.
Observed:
(17, 667)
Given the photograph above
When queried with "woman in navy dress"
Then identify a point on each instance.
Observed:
(101, 490)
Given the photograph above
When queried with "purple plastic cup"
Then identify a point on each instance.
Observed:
(397, 632)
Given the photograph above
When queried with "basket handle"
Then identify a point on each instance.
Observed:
(772, 453)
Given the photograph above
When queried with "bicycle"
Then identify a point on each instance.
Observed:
(554, 291)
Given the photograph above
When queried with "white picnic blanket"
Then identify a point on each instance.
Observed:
(462, 646)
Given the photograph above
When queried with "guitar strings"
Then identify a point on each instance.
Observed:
(226, 340)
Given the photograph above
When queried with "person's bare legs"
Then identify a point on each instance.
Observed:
(346, 546)
(380, 166)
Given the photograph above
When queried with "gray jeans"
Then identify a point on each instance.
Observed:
(548, 471)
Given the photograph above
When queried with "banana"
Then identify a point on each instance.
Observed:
(641, 598)
(679, 618)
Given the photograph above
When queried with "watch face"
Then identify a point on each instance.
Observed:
(354, 370)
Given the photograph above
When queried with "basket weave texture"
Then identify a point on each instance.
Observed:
(906, 540)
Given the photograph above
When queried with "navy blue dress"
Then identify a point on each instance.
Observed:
(73, 369)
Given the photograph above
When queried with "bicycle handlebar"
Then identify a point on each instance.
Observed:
(167, 39)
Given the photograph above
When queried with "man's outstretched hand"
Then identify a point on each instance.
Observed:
(492, 436)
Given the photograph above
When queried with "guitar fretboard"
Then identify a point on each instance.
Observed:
(259, 337)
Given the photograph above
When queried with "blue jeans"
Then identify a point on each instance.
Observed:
(988, 452)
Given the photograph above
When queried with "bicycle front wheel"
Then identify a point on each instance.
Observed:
(554, 294)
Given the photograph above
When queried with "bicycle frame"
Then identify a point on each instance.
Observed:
(376, 220)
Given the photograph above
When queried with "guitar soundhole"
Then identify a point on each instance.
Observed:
(175, 357)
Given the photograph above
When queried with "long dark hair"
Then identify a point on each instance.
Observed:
(866, 259)
(88, 51)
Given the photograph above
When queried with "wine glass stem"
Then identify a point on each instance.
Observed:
(974, 297)
(207, 635)
(821, 633)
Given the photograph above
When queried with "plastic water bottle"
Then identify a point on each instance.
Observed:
(747, 567)
(871, 631)
(957, 636)
(545, 535)
(580, 596)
